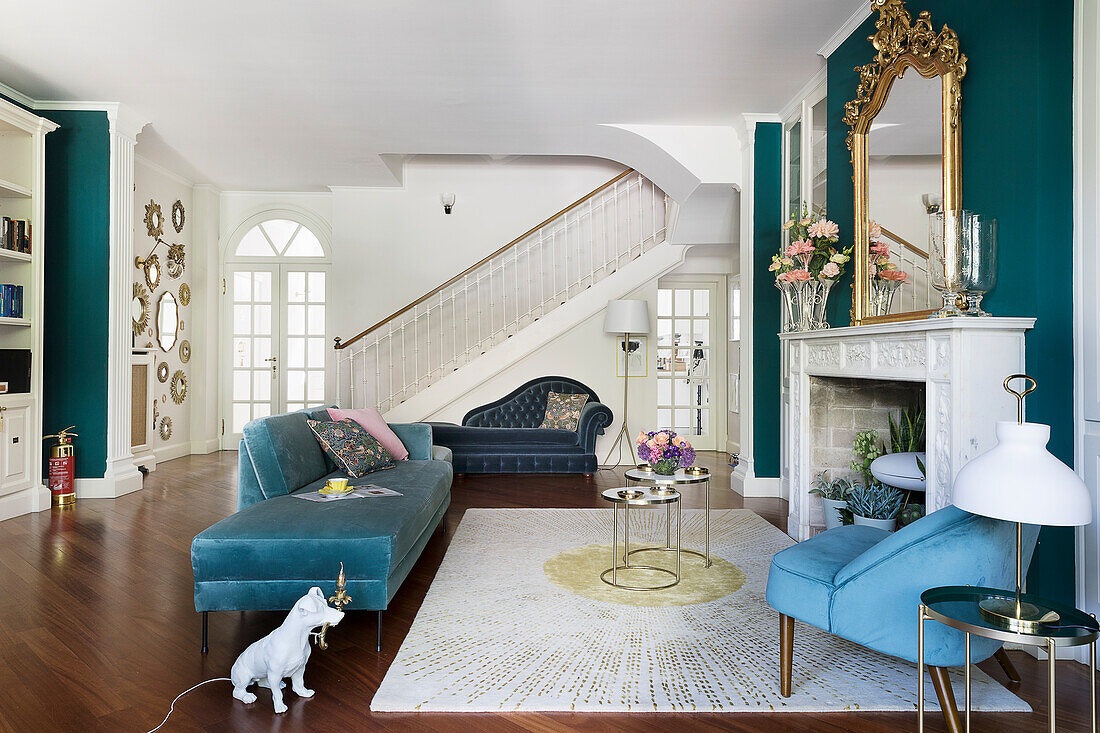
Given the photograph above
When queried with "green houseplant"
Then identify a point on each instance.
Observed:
(834, 498)
(876, 505)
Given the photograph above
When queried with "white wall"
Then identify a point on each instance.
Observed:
(586, 354)
(393, 245)
(896, 184)
(155, 183)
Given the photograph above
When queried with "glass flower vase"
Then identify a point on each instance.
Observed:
(946, 272)
(665, 466)
(882, 295)
(803, 304)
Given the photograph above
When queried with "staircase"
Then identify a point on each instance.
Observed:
(509, 303)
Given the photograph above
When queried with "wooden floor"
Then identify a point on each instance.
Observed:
(98, 630)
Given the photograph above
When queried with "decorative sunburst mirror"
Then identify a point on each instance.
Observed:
(175, 264)
(185, 351)
(179, 387)
(185, 294)
(163, 372)
(139, 309)
(165, 428)
(178, 216)
(154, 219)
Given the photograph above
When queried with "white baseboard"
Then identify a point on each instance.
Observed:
(747, 484)
(25, 501)
(202, 447)
(124, 480)
(170, 452)
(1061, 653)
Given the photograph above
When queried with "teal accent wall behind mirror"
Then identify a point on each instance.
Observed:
(76, 264)
(767, 199)
(1017, 131)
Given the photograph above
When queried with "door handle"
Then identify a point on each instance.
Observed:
(274, 365)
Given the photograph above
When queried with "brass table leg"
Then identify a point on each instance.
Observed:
(626, 534)
(1050, 682)
(707, 549)
(920, 668)
(668, 527)
(966, 677)
(614, 544)
(1092, 682)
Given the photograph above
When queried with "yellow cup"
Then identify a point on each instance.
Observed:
(337, 485)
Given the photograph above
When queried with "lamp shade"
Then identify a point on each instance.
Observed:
(627, 316)
(1018, 480)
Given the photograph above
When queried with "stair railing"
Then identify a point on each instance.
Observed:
(505, 292)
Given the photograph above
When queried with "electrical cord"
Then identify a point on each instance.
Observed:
(172, 708)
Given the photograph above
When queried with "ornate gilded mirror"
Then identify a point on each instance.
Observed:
(168, 321)
(151, 265)
(904, 140)
(139, 309)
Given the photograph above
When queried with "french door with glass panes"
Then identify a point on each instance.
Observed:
(276, 327)
(686, 355)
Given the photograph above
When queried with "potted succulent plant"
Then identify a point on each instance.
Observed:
(876, 505)
(834, 498)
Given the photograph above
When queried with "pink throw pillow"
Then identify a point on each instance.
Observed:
(372, 421)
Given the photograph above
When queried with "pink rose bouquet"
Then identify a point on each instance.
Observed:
(812, 253)
(879, 264)
(664, 450)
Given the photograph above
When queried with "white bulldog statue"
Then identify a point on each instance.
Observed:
(284, 652)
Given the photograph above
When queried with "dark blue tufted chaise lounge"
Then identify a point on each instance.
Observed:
(505, 437)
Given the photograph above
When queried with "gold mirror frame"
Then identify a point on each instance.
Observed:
(901, 43)
(141, 296)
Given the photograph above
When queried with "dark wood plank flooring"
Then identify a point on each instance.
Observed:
(98, 630)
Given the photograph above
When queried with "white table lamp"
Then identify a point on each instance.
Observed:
(1019, 481)
(625, 317)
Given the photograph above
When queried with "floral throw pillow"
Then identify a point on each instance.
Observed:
(355, 451)
(563, 411)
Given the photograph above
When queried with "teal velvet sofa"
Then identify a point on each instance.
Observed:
(276, 546)
(864, 584)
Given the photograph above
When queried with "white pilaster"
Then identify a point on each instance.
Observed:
(121, 476)
(206, 291)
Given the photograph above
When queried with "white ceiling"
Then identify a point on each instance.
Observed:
(270, 94)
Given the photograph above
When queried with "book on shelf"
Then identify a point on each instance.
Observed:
(16, 235)
(11, 301)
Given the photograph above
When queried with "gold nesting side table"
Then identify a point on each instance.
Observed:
(682, 477)
(633, 496)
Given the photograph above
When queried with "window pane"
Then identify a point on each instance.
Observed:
(664, 332)
(664, 302)
(295, 353)
(296, 287)
(254, 244)
(664, 419)
(681, 392)
(304, 245)
(664, 360)
(263, 320)
(316, 385)
(702, 332)
(700, 362)
(317, 353)
(699, 424)
(241, 379)
(280, 231)
(295, 384)
(262, 386)
(316, 287)
(701, 306)
(262, 348)
(262, 281)
(683, 332)
(242, 319)
(317, 319)
(296, 319)
(241, 352)
(242, 287)
(261, 409)
(292, 406)
(241, 415)
(682, 420)
(700, 393)
(664, 391)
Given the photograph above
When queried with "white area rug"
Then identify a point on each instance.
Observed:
(494, 634)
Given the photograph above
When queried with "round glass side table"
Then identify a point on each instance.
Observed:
(683, 477)
(638, 497)
(957, 606)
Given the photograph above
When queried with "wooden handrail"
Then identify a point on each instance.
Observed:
(344, 344)
(904, 243)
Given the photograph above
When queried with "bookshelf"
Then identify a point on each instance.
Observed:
(22, 197)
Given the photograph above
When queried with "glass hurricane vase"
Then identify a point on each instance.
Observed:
(882, 295)
(979, 260)
(803, 304)
(946, 271)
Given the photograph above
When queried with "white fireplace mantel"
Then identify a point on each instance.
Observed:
(961, 361)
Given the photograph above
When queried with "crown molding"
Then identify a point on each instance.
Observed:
(16, 95)
(862, 13)
(142, 160)
(745, 125)
(816, 81)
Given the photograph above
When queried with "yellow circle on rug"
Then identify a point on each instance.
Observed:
(578, 571)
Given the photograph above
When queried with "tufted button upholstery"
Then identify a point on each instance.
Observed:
(524, 407)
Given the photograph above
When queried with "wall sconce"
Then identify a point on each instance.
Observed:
(933, 203)
(448, 201)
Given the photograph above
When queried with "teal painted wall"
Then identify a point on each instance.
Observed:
(766, 212)
(1016, 165)
(76, 264)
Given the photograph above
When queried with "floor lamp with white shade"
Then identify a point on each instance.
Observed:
(626, 317)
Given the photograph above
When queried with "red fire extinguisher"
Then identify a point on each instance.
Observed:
(62, 471)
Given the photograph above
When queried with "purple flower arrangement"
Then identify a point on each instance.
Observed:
(665, 451)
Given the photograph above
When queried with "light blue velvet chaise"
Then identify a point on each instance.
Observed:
(864, 584)
(277, 546)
